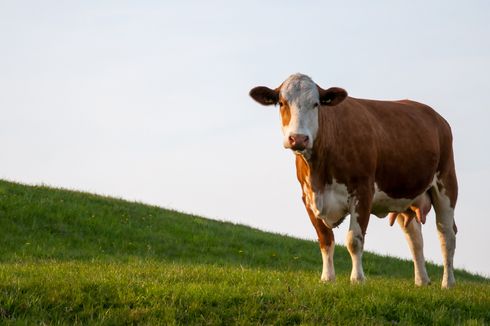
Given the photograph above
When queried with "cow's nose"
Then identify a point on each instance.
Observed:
(298, 141)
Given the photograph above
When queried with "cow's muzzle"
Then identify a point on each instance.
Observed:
(298, 142)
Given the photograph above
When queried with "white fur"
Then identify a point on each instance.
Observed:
(328, 272)
(447, 237)
(331, 205)
(301, 93)
(413, 234)
(383, 204)
(355, 246)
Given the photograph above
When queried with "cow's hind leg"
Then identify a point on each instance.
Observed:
(413, 234)
(444, 208)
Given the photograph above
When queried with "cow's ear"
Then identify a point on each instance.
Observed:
(265, 95)
(332, 96)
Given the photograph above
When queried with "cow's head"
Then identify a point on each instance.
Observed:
(299, 99)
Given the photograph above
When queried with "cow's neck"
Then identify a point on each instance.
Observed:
(319, 170)
(319, 158)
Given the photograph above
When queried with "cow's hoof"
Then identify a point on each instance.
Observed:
(357, 280)
(327, 279)
(424, 282)
(448, 285)
(448, 280)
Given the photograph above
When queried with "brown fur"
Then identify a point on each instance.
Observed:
(285, 111)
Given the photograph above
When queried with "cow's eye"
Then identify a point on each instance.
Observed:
(281, 104)
(315, 105)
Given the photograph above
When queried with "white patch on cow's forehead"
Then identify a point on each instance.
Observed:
(299, 87)
(301, 94)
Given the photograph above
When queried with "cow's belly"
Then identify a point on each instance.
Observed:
(382, 204)
(332, 204)
(329, 205)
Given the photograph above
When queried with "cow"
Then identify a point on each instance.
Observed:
(360, 157)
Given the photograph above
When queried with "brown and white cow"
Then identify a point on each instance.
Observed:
(361, 157)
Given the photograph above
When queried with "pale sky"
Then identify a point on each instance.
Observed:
(148, 101)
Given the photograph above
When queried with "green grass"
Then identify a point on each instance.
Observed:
(74, 258)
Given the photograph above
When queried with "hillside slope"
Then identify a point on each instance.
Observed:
(71, 257)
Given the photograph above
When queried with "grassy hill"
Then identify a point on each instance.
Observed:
(75, 258)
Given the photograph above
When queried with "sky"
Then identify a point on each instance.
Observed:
(148, 101)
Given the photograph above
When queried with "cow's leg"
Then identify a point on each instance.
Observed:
(359, 218)
(355, 245)
(327, 244)
(446, 228)
(413, 234)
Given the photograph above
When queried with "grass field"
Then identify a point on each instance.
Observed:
(75, 258)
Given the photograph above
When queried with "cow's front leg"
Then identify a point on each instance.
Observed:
(359, 217)
(327, 245)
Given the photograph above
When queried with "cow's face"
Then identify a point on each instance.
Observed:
(299, 99)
